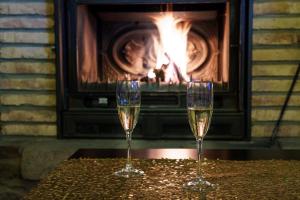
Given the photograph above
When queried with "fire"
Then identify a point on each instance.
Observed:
(151, 74)
(171, 47)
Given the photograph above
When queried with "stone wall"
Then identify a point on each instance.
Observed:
(276, 54)
(27, 69)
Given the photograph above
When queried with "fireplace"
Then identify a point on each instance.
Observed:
(100, 42)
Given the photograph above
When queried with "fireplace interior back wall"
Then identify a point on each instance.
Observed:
(93, 42)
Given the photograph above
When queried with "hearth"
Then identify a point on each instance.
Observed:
(99, 42)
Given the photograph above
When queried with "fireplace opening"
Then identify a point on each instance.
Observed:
(164, 48)
(161, 44)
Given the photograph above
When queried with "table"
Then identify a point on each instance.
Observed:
(92, 178)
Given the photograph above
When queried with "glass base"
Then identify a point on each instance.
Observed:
(199, 184)
(128, 172)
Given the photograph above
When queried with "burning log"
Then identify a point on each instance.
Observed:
(177, 70)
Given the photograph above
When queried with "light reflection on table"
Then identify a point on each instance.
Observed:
(257, 154)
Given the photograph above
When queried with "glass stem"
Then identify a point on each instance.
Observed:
(200, 156)
(128, 139)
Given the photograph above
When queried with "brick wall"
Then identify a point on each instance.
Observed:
(27, 70)
(276, 53)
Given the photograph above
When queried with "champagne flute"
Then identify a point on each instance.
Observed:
(128, 103)
(200, 108)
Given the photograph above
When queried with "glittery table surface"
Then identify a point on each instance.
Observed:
(163, 179)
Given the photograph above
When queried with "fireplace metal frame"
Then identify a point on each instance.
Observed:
(240, 64)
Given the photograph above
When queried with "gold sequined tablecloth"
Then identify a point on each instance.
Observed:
(94, 179)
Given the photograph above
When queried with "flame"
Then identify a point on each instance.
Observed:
(171, 47)
(151, 74)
